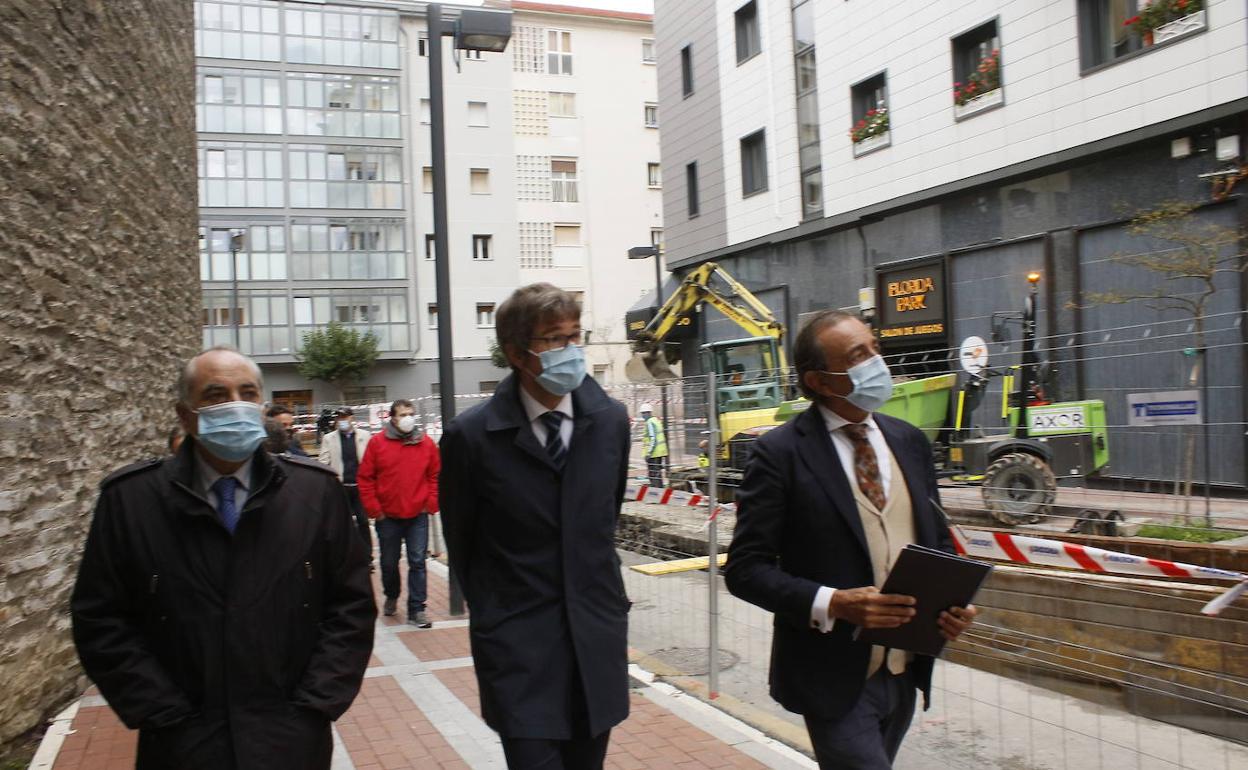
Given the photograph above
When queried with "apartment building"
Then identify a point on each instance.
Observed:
(315, 169)
(822, 151)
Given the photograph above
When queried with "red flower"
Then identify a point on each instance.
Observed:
(1131, 21)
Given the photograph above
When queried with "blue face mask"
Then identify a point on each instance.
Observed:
(563, 369)
(873, 384)
(344, 426)
(232, 431)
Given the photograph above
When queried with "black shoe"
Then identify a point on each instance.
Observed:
(420, 620)
(391, 606)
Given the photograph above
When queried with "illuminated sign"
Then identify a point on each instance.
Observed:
(911, 301)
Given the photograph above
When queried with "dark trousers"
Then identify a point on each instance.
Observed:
(654, 467)
(361, 518)
(868, 737)
(548, 754)
(412, 534)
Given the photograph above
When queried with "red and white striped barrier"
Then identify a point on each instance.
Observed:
(644, 493)
(1003, 546)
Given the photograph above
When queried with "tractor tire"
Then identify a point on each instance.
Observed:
(1019, 488)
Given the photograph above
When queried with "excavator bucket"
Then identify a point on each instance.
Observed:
(648, 366)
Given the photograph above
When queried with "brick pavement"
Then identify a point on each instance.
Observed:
(419, 707)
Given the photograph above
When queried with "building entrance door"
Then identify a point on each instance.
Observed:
(297, 401)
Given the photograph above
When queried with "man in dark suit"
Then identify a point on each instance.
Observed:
(531, 487)
(828, 501)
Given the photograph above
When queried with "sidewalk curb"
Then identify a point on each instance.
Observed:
(58, 729)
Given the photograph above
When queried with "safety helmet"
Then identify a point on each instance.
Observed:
(646, 408)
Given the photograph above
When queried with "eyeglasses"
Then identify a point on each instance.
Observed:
(560, 340)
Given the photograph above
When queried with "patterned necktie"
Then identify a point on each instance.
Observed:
(554, 442)
(866, 466)
(227, 508)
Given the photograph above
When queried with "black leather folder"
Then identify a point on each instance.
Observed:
(938, 581)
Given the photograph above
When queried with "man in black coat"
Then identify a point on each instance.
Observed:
(223, 606)
(531, 487)
(828, 501)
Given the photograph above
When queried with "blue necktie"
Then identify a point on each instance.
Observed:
(554, 442)
(227, 508)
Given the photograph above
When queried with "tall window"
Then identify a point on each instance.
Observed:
(754, 163)
(485, 315)
(558, 52)
(691, 189)
(482, 247)
(651, 115)
(431, 315)
(870, 104)
(976, 64)
(647, 50)
(426, 179)
(562, 105)
(431, 246)
(749, 41)
(563, 180)
(686, 70)
(806, 79)
(653, 178)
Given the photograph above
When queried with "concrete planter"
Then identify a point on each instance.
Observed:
(872, 143)
(1172, 29)
(980, 103)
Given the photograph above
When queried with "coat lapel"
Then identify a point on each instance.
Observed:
(507, 413)
(821, 459)
(916, 479)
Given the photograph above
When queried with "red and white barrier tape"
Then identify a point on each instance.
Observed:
(644, 493)
(1003, 546)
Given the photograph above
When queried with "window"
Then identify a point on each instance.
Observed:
(422, 44)
(870, 105)
(749, 42)
(487, 386)
(651, 115)
(558, 52)
(1107, 31)
(338, 35)
(482, 247)
(431, 247)
(647, 50)
(812, 194)
(563, 180)
(432, 316)
(562, 105)
(425, 114)
(806, 81)
(478, 114)
(600, 373)
(485, 315)
(656, 237)
(472, 55)
(339, 249)
(345, 177)
(653, 178)
(976, 65)
(691, 189)
(754, 163)
(364, 394)
(426, 179)
(479, 181)
(567, 235)
(686, 70)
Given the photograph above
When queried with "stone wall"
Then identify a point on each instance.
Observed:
(99, 298)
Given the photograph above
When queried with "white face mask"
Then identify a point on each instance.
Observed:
(406, 423)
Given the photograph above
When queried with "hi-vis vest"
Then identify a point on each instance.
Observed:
(656, 441)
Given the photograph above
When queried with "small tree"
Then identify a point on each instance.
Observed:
(497, 356)
(337, 355)
(1200, 252)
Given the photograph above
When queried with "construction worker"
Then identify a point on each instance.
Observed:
(655, 445)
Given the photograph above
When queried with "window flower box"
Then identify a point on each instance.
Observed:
(979, 103)
(1189, 23)
(872, 143)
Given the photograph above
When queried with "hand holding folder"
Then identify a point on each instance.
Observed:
(937, 581)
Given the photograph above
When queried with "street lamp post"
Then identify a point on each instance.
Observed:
(236, 245)
(646, 252)
(474, 30)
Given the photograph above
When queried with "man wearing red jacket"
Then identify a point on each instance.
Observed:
(398, 483)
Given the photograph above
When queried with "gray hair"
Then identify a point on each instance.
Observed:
(528, 306)
(808, 353)
(188, 371)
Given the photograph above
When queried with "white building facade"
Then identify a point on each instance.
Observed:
(314, 144)
(813, 148)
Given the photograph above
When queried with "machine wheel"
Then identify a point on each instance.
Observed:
(1019, 488)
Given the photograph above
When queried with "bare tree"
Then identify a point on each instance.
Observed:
(1188, 271)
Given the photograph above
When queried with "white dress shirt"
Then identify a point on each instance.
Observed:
(206, 476)
(819, 617)
(534, 410)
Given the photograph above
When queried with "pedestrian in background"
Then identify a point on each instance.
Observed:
(654, 445)
(223, 606)
(531, 490)
(174, 442)
(283, 415)
(398, 484)
(277, 440)
(342, 449)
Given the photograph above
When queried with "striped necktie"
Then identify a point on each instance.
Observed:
(554, 442)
